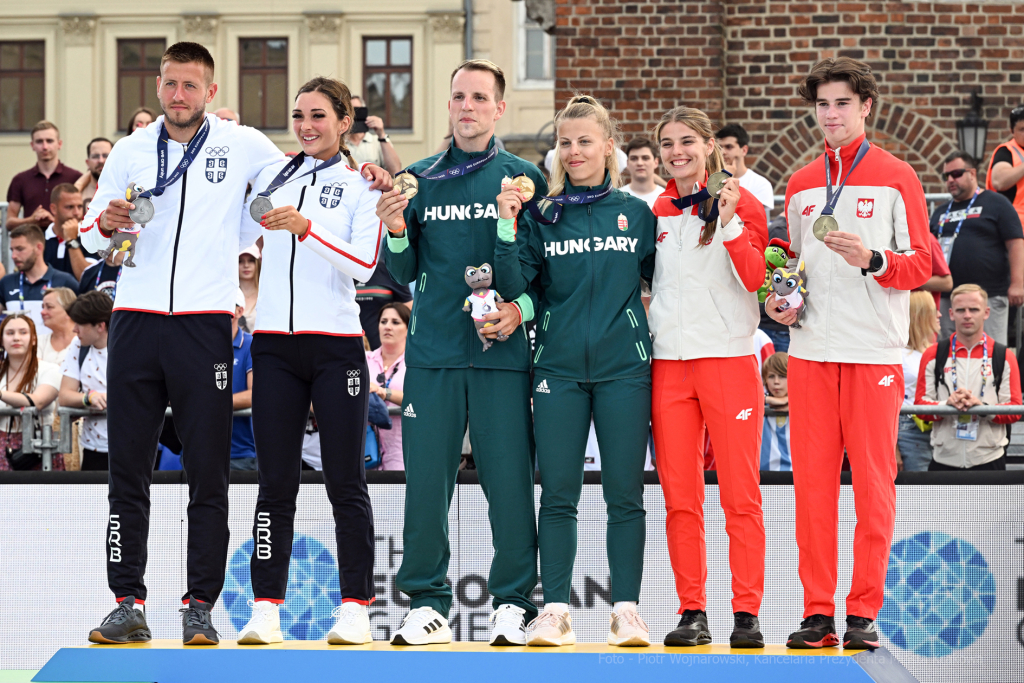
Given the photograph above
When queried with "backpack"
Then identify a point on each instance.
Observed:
(942, 355)
(82, 353)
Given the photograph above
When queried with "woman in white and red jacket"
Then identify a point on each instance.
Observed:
(319, 237)
(703, 316)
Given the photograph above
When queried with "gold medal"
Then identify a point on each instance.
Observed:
(823, 226)
(407, 184)
(716, 181)
(525, 186)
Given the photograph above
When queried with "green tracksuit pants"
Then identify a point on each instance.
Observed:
(436, 406)
(562, 411)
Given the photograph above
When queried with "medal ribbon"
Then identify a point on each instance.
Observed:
(984, 364)
(697, 198)
(588, 197)
(465, 168)
(831, 199)
(293, 166)
(163, 181)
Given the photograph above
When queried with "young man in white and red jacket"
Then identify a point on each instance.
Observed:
(845, 372)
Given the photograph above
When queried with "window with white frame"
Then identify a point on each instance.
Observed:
(536, 52)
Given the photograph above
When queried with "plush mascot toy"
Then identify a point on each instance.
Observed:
(124, 239)
(482, 301)
(788, 284)
(775, 256)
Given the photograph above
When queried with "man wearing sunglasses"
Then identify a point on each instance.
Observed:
(981, 238)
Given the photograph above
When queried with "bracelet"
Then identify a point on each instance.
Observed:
(387, 394)
(86, 401)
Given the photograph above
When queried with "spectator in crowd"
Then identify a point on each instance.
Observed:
(1006, 167)
(243, 445)
(102, 276)
(23, 290)
(24, 381)
(368, 142)
(84, 384)
(53, 345)
(140, 118)
(969, 442)
(373, 295)
(775, 434)
(227, 115)
(63, 249)
(29, 191)
(387, 366)
(642, 163)
(981, 238)
(913, 445)
(96, 153)
(249, 265)
(734, 142)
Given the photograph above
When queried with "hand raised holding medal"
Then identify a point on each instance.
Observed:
(514, 192)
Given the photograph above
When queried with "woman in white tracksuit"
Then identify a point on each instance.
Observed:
(320, 235)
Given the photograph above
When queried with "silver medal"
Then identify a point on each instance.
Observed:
(260, 206)
(716, 181)
(143, 212)
(823, 226)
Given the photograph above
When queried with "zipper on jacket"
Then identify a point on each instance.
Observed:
(291, 265)
(177, 239)
(472, 246)
(590, 302)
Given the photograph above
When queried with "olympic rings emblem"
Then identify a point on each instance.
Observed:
(220, 367)
(353, 373)
(217, 151)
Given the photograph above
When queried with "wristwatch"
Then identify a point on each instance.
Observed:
(874, 265)
(74, 244)
(386, 138)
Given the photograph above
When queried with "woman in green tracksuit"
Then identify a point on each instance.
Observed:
(584, 258)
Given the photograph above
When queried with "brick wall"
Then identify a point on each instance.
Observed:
(642, 57)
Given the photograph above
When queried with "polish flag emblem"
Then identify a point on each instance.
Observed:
(865, 208)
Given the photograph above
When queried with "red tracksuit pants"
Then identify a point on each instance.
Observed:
(835, 406)
(725, 396)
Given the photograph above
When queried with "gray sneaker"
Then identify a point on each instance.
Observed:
(124, 625)
(196, 626)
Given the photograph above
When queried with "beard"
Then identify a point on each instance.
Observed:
(194, 118)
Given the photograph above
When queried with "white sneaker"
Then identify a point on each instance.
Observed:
(550, 629)
(509, 626)
(423, 626)
(264, 627)
(352, 626)
(627, 629)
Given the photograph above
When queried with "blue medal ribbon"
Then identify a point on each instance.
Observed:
(831, 199)
(465, 168)
(698, 198)
(292, 166)
(579, 198)
(163, 181)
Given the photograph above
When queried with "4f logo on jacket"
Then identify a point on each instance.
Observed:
(330, 197)
(865, 208)
(808, 210)
(886, 380)
(459, 213)
(353, 382)
(220, 375)
(744, 414)
(613, 243)
(216, 170)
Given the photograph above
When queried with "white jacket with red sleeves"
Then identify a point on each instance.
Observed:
(703, 302)
(853, 318)
(307, 283)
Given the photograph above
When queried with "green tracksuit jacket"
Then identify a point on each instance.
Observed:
(586, 270)
(450, 227)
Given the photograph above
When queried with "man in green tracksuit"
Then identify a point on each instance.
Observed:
(446, 227)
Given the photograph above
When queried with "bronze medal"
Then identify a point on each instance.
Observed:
(716, 181)
(823, 226)
(407, 184)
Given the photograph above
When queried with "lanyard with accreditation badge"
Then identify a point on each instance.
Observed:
(947, 242)
(967, 425)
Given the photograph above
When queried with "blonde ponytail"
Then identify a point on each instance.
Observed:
(585, 107)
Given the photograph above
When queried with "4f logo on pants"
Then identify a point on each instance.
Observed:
(744, 414)
(114, 539)
(353, 382)
(263, 536)
(886, 381)
(220, 375)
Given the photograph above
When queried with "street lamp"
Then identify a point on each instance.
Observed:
(972, 130)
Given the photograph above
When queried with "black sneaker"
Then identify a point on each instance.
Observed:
(816, 631)
(692, 630)
(124, 625)
(196, 626)
(860, 634)
(746, 631)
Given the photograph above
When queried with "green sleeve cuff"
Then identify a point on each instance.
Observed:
(507, 229)
(398, 244)
(525, 304)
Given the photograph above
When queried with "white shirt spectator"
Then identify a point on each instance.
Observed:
(93, 377)
(48, 353)
(48, 373)
(649, 198)
(759, 186)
